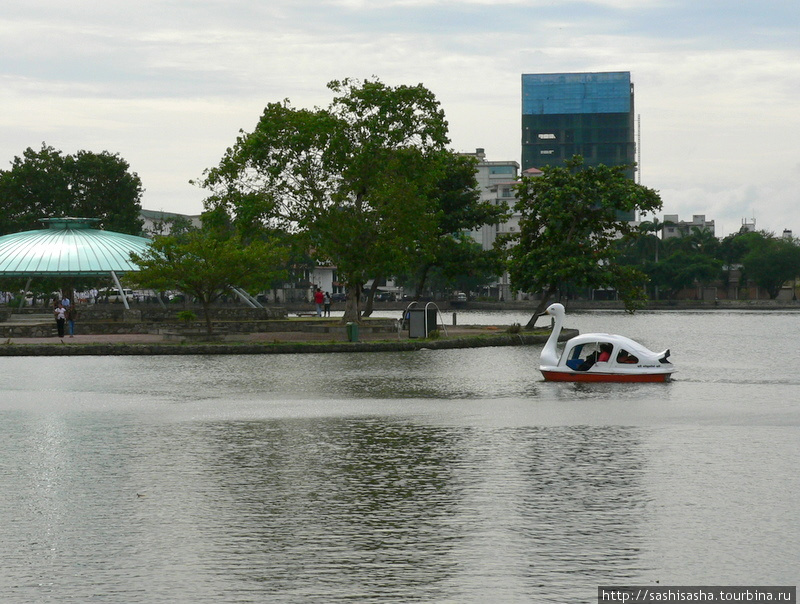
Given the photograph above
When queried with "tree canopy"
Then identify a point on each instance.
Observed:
(568, 227)
(355, 179)
(451, 252)
(49, 184)
(772, 262)
(207, 263)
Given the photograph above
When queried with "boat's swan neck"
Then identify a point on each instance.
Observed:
(549, 353)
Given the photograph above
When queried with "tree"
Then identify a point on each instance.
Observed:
(733, 248)
(355, 179)
(456, 201)
(48, 184)
(772, 264)
(682, 269)
(568, 227)
(207, 263)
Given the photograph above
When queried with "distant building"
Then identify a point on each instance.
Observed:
(681, 228)
(160, 223)
(586, 114)
(496, 180)
(748, 226)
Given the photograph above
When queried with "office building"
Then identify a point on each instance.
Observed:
(587, 114)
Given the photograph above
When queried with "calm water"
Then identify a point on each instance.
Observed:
(431, 476)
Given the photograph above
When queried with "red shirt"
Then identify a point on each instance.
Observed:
(318, 297)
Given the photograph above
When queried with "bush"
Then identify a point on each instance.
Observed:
(514, 328)
(434, 335)
(187, 316)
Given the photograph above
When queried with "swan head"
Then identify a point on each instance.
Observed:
(556, 310)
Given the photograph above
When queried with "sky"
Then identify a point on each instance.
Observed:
(169, 84)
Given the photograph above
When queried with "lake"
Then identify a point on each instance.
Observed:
(428, 476)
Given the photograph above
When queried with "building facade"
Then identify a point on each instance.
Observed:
(496, 180)
(157, 222)
(674, 227)
(587, 114)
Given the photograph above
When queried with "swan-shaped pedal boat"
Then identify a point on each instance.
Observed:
(600, 357)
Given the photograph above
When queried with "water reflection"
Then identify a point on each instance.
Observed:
(324, 510)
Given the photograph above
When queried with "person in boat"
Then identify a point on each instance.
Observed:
(599, 356)
(625, 357)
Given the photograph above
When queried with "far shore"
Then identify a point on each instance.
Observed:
(577, 305)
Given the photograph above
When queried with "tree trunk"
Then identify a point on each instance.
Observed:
(207, 313)
(351, 314)
(370, 298)
(421, 284)
(543, 304)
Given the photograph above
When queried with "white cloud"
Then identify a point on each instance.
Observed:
(169, 84)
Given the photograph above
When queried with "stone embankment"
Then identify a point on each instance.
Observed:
(122, 347)
(242, 331)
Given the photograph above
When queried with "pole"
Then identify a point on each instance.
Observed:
(121, 291)
(25, 293)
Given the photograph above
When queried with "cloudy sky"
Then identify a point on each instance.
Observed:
(168, 84)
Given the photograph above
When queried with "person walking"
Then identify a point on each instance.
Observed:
(326, 303)
(319, 299)
(61, 317)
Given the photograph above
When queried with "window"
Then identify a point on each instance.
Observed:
(502, 170)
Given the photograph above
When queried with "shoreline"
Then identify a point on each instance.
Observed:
(122, 345)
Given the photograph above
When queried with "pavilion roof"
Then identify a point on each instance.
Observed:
(68, 247)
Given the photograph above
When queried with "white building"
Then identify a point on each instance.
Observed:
(681, 228)
(496, 181)
(157, 222)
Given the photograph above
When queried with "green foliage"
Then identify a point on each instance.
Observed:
(451, 259)
(206, 263)
(461, 264)
(46, 183)
(733, 248)
(187, 316)
(772, 263)
(354, 179)
(568, 230)
(682, 270)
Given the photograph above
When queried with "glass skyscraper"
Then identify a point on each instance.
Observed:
(588, 114)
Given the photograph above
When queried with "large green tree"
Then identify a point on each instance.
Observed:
(682, 270)
(457, 204)
(355, 179)
(773, 262)
(468, 267)
(47, 183)
(207, 263)
(568, 227)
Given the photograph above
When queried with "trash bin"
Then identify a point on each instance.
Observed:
(352, 332)
(421, 322)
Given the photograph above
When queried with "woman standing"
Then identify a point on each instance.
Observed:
(61, 318)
